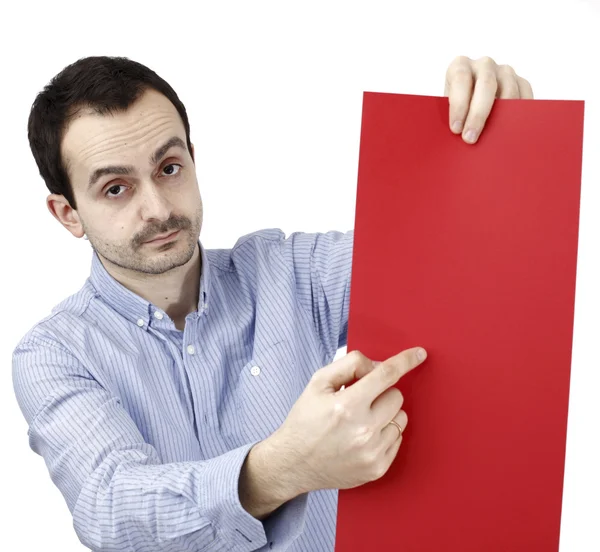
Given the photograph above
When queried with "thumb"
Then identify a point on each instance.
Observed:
(343, 371)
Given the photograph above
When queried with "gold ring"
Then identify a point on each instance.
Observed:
(398, 426)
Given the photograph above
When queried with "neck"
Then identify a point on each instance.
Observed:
(175, 292)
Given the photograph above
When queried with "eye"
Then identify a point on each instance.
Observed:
(172, 169)
(114, 191)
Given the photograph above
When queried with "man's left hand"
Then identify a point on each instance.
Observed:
(472, 86)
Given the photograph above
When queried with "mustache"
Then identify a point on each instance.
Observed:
(170, 225)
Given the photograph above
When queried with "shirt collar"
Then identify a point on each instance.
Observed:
(133, 307)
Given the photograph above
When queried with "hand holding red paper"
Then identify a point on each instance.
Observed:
(472, 86)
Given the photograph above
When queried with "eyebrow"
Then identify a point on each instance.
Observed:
(175, 141)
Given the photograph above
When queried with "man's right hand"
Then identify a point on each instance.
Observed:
(343, 438)
(333, 438)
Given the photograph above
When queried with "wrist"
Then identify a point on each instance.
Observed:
(270, 477)
(287, 465)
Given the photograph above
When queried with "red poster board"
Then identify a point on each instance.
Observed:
(469, 251)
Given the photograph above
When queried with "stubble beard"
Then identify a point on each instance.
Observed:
(146, 259)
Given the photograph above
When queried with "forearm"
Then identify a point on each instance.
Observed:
(270, 477)
(127, 501)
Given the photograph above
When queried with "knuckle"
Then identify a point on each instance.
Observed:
(379, 469)
(524, 84)
(399, 398)
(507, 69)
(340, 411)
(462, 72)
(362, 436)
(459, 73)
(508, 82)
(395, 393)
(488, 78)
(460, 62)
(395, 396)
(317, 376)
(406, 362)
(370, 460)
(389, 371)
(486, 61)
(523, 81)
(357, 358)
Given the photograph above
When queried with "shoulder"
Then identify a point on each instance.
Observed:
(248, 251)
(63, 319)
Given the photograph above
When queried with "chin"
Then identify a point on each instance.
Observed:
(166, 257)
(155, 260)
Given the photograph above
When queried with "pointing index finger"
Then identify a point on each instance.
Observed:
(387, 373)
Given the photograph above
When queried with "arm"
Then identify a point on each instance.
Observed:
(121, 495)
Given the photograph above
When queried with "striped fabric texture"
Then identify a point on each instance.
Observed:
(144, 428)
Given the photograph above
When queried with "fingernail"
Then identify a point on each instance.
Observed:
(421, 354)
(457, 126)
(471, 136)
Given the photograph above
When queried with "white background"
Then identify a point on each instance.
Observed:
(274, 91)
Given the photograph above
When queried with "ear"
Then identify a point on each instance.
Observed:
(193, 153)
(63, 212)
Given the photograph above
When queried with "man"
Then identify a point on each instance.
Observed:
(186, 399)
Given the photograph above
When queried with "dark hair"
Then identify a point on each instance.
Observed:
(104, 84)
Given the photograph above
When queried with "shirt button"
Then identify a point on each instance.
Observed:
(140, 322)
(191, 350)
(255, 370)
(158, 315)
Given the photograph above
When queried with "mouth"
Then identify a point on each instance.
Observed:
(163, 239)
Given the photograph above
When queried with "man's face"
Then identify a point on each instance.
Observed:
(133, 180)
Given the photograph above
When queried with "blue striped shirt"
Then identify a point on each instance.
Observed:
(144, 428)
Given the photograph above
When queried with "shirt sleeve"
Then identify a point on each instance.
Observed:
(122, 497)
(322, 266)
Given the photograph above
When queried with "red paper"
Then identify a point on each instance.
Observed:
(469, 251)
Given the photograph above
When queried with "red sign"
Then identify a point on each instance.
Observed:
(469, 251)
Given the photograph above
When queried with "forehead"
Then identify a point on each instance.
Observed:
(127, 136)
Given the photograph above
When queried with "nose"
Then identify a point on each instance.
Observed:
(153, 205)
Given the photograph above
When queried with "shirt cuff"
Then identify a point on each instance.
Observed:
(236, 528)
(286, 524)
